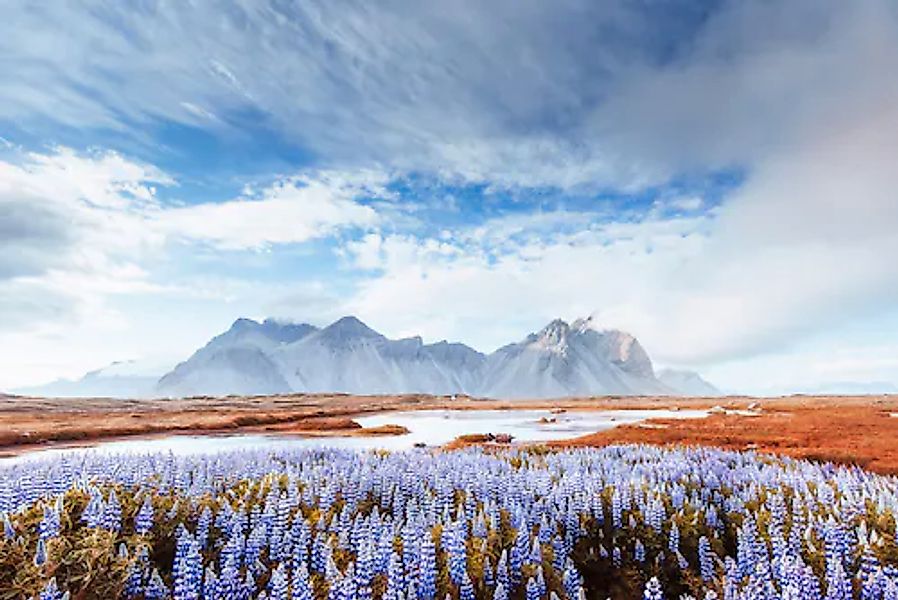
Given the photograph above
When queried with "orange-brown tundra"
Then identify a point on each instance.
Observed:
(857, 430)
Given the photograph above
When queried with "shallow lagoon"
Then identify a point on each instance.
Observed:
(429, 427)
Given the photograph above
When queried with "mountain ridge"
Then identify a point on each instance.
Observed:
(347, 356)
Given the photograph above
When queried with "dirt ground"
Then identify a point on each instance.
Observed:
(857, 430)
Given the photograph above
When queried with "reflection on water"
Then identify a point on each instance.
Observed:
(429, 427)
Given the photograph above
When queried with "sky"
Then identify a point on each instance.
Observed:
(719, 178)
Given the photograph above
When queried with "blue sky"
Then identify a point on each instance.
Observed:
(715, 177)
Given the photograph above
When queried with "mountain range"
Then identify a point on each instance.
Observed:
(272, 357)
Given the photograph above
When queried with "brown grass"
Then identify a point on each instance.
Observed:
(314, 424)
(35, 421)
(388, 429)
(855, 430)
(861, 434)
(474, 439)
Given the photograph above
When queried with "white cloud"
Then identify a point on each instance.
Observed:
(79, 231)
(109, 204)
(807, 107)
(580, 93)
(807, 242)
(845, 356)
(69, 236)
(800, 96)
(686, 203)
(289, 211)
(466, 290)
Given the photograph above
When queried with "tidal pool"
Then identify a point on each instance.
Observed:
(428, 427)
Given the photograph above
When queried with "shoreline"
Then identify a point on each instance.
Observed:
(39, 421)
(354, 431)
(845, 429)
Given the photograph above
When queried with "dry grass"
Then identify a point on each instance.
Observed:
(314, 424)
(855, 430)
(861, 434)
(388, 429)
(36, 421)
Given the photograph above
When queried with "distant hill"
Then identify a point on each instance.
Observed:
(124, 379)
(850, 388)
(687, 383)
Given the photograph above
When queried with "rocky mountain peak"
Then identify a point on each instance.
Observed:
(554, 335)
(348, 328)
(561, 359)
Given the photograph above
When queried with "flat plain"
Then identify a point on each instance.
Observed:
(857, 430)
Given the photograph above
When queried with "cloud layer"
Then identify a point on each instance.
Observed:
(78, 226)
(575, 121)
(568, 94)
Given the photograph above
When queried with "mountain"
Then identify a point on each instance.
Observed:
(239, 361)
(123, 379)
(274, 357)
(687, 383)
(348, 356)
(570, 360)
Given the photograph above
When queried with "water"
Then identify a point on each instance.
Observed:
(429, 427)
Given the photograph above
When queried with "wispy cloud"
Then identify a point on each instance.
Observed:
(547, 109)
(805, 243)
(576, 94)
(290, 211)
(78, 227)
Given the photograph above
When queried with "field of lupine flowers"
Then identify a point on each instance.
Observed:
(621, 522)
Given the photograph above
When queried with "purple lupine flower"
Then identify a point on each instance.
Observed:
(639, 551)
(705, 559)
(278, 585)
(532, 590)
(673, 540)
(156, 588)
(143, 522)
(40, 555)
(427, 570)
(838, 586)
(301, 587)
(503, 577)
(49, 525)
(653, 590)
(112, 514)
(571, 580)
(51, 591)
(466, 589)
(9, 532)
(395, 578)
(455, 548)
(489, 577)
